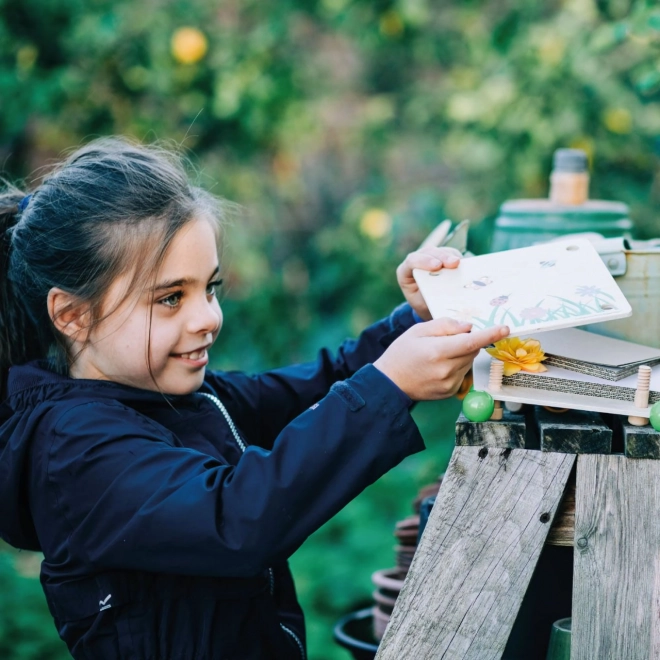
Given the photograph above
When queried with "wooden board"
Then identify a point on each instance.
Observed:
(616, 588)
(477, 554)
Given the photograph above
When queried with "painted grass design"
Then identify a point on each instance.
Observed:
(564, 308)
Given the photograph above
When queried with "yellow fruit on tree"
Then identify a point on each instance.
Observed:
(189, 45)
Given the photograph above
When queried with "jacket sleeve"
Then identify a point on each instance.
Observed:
(133, 500)
(263, 404)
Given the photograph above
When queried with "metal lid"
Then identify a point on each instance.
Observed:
(569, 160)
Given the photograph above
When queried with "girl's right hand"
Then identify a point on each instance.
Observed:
(429, 360)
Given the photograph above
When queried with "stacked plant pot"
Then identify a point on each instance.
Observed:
(388, 581)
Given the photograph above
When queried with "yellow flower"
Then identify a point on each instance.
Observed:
(519, 355)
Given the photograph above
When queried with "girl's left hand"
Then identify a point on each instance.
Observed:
(428, 258)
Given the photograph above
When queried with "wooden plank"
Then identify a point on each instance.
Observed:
(573, 432)
(507, 432)
(477, 554)
(616, 588)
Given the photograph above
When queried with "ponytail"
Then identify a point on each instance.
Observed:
(19, 339)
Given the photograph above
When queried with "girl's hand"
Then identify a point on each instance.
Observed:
(429, 360)
(428, 258)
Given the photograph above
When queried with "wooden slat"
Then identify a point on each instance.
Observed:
(616, 588)
(507, 432)
(477, 555)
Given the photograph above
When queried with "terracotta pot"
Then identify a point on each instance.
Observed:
(384, 601)
(388, 580)
(404, 557)
(380, 622)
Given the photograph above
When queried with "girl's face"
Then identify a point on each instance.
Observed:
(184, 315)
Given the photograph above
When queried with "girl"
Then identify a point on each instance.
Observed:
(166, 499)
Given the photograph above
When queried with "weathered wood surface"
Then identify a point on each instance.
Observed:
(477, 554)
(640, 441)
(616, 587)
(507, 432)
(573, 432)
(562, 531)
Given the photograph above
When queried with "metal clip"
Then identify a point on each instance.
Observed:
(612, 252)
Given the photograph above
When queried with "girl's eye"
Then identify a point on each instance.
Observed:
(210, 289)
(172, 300)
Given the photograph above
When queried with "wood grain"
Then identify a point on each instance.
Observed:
(477, 554)
(507, 432)
(562, 531)
(616, 588)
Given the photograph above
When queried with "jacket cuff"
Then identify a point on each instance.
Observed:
(417, 317)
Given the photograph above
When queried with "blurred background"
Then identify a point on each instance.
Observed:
(346, 130)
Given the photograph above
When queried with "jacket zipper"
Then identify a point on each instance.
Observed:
(225, 414)
(241, 445)
(295, 639)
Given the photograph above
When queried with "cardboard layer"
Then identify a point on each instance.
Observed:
(583, 346)
(599, 370)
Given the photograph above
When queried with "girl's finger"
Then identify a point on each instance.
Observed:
(469, 343)
(442, 252)
(426, 260)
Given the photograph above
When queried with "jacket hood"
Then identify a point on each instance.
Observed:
(32, 390)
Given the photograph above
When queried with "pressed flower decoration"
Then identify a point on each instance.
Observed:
(519, 355)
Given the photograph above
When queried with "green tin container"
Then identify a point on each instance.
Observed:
(524, 222)
(560, 640)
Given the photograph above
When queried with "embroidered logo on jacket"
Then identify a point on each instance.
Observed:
(104, 604)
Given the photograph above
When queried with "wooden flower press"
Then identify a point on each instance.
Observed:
(473, 578)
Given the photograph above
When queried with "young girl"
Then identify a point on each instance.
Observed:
(165, 498)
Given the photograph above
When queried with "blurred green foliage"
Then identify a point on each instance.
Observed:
(346, 129)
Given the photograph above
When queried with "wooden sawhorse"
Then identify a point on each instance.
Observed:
(488, 530)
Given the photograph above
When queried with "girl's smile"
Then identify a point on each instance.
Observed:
(174, 322)
(198, 358)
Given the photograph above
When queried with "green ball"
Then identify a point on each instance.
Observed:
(478, 406)
(654, 417)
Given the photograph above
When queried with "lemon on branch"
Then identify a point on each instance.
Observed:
(189, 45)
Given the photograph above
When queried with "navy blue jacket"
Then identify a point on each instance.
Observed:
(166, 522)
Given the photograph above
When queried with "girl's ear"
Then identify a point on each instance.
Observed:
(69, 315)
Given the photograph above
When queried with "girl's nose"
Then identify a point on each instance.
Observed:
(205, 318)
